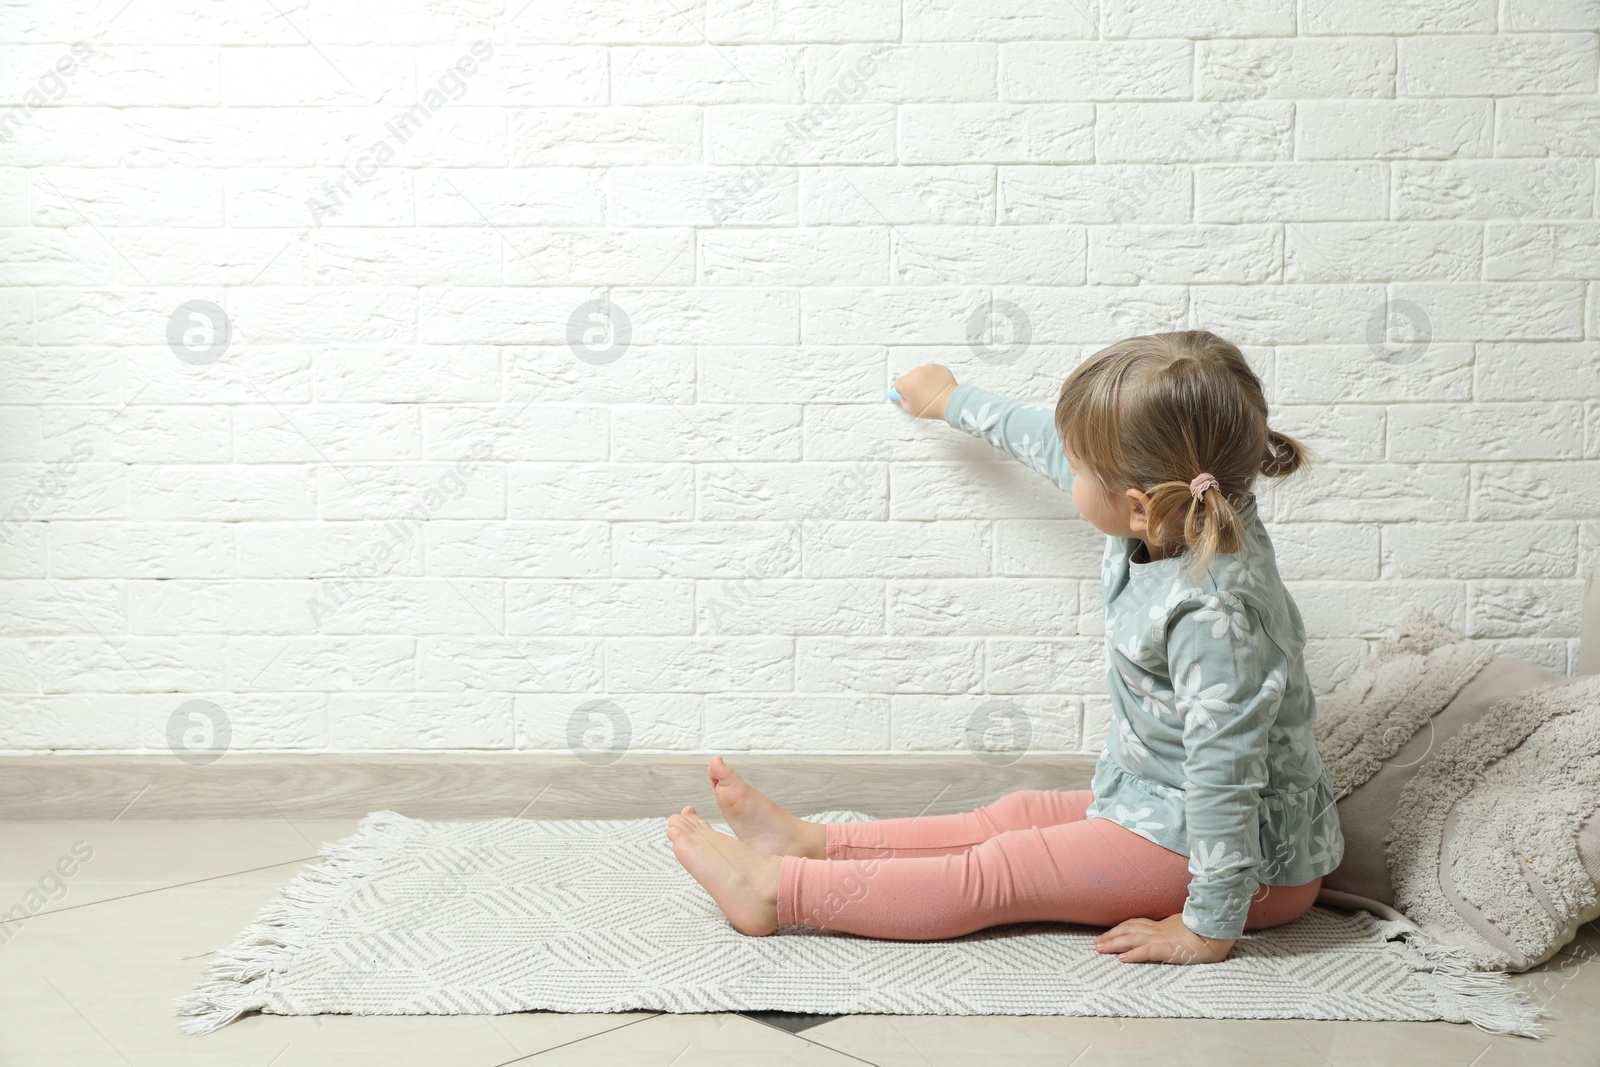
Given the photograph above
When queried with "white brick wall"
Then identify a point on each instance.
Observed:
(406, 508)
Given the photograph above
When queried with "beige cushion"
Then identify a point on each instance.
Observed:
(1515, 866)
(1364, 815)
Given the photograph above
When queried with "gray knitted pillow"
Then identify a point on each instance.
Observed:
(1495, 843)
(1444, 842)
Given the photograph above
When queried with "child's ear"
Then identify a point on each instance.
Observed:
(1138, 515)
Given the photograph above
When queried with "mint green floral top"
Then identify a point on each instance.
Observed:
(1212, 753)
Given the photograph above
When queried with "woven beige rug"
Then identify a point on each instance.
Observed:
(483, 918)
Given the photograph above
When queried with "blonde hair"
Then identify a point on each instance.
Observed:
(1153, 412)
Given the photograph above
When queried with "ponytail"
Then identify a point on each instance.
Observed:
(1202, 526)
(1284, 455)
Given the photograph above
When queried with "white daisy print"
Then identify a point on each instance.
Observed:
(1286, 746)
(1255, 772)
(1272, 686)
(1226, 614)
(1153, 700)
(1137, 818)
(1197, 699)
(1128, 743)
(1324, 843)
(1239, 572)
(1138, 652)
(1160, 612)
(1208, 863)
(982, 423)
(1032, 453)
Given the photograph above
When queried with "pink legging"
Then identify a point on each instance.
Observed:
(1031, 856)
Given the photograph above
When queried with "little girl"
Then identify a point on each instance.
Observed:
(1210, 811)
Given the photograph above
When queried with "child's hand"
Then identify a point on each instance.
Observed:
(1167, 941)
(925, 389)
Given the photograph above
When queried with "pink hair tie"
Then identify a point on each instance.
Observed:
(1201, 483)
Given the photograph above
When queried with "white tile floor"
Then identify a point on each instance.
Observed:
(91, 979)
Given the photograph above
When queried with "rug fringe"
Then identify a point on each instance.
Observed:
(236, 981)
(1486, 999)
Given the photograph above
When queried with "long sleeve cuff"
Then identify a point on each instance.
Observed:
(959, 398)
(1218, 909)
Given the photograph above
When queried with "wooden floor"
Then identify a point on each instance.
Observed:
(503, 786)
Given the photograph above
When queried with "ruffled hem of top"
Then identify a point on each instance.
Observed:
(1284, 817)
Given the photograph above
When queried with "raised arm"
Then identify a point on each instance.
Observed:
(1026, 432)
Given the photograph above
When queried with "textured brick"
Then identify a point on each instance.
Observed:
(601, 491)
(805, 491)
(699, 664)
(733, 551)
(415, 506)
(1066, 548)
(1022, 255)
(809, 256)
(1248, 68)
(130, 664)
(1393, 129)
(833, 723)
(1399, 17)
(1498, 64)
(996, 133)
(332, 663)
(911, 73)
(1487, 189)
(900, 195)
(509, 664)
(888, 665)
(966, 20)
(1196, 18)
(981, 725)
(713, 434)
(1483, 550)
(1330, 374)
(1500, 311)
(849, 606)
(1429, 433)
(945, 549)
(1193, 132)
(807, 374)
(1295, 192)
(1288, 314)
(1537, 251)
(756, 134)
(1382, 251)
(1554, 371)
(654, 722)
(956, 608)
(554, 608)
(757, 74)
(1096, 70)
(479, 720)
(1129, 255)
(1530, 491)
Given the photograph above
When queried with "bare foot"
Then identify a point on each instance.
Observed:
(742, 881)
(759, 821)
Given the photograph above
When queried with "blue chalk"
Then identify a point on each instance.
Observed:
(894, 394)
